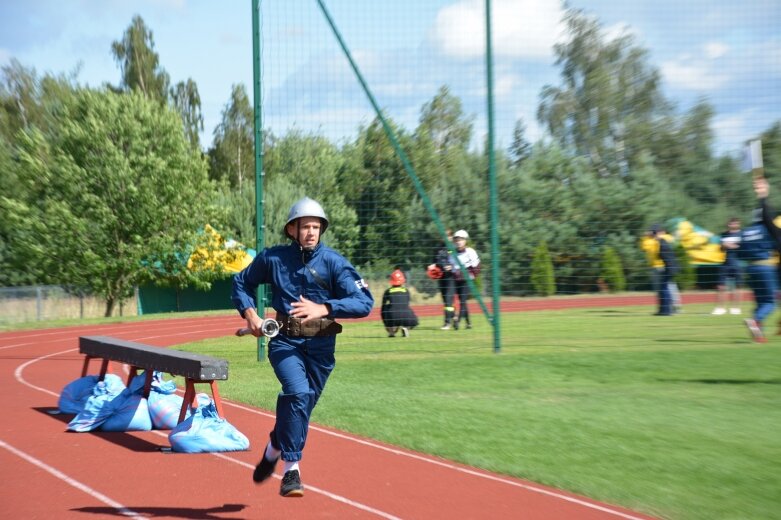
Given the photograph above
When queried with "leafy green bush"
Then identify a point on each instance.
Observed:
(687, 274)
(542, 277)
(612, 272)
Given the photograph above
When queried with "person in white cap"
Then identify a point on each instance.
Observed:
(471, 262)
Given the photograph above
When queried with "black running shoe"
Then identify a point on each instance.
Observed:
(291, 485)
(264, 469)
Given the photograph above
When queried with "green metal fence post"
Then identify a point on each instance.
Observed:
(495, 278)
(259, 238)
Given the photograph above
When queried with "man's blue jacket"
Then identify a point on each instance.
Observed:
(321, 275)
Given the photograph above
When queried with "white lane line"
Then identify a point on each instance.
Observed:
(126, 327)
(19, 377)
(225, 331)
(73, 482)
(443, 464)
(395, 451)
(17, 345)
(333, 496)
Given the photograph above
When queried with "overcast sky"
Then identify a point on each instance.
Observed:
(725, 51)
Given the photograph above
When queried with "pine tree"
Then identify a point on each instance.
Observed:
(613, 271)
(542, 277)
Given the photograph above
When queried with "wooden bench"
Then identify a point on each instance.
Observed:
(195, 368)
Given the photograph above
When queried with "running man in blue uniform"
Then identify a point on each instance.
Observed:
(311, 286)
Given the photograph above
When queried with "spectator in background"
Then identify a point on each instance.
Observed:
(395, 311)
(471, 262)
(756, 249)
(675, 293)
(441, 270)
(667, 256)
(769, 218)
(650, 245)
(730, 271)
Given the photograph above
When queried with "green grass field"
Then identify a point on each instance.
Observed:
(678, 417)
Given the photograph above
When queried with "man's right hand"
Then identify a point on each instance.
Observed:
(254, 322)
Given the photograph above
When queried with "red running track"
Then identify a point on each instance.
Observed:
(50, 473)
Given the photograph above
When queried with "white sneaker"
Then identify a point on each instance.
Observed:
(718, 311)
(405, 332)
(756, 330)
(446, 326)
(734, 311)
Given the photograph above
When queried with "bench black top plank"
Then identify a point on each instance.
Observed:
(185, 364)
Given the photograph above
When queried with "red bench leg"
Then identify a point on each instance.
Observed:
(103, 369)
(85, 366)
(217, 400)
(189, 399)
(133, 373)
(150, 374)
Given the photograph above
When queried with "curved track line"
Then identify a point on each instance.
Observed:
(19, 377)
(124, 511)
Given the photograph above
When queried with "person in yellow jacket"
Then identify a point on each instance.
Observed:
(649, 243)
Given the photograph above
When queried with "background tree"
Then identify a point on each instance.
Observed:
(27, 102)
(520, 149)
(609, 99)
(187, 102)
(139, 63)
(613, 271)
(232, 154)
(299, 165)
(380, 197)
(542, 277)
(686, 278)
(116, 198)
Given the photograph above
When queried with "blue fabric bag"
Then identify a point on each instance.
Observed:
(96, 409)
(164, 404)
(129, 410)
(205, 431)
(75, 394)
(128, 413)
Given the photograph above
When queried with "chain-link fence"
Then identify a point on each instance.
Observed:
(52, 302)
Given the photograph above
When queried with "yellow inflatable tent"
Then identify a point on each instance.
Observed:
(229, 255)
(702, 246)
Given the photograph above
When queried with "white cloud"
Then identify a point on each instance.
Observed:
(732, 130)
(692, 76)
(520, 28)
(506, 84)
(714, 50)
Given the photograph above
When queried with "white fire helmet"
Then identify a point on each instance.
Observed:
(306, 207)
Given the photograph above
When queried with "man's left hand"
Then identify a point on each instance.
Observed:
(308, 310)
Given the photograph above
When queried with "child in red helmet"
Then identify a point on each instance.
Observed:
(395, 311)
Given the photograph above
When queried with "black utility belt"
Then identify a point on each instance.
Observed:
(294, 328)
